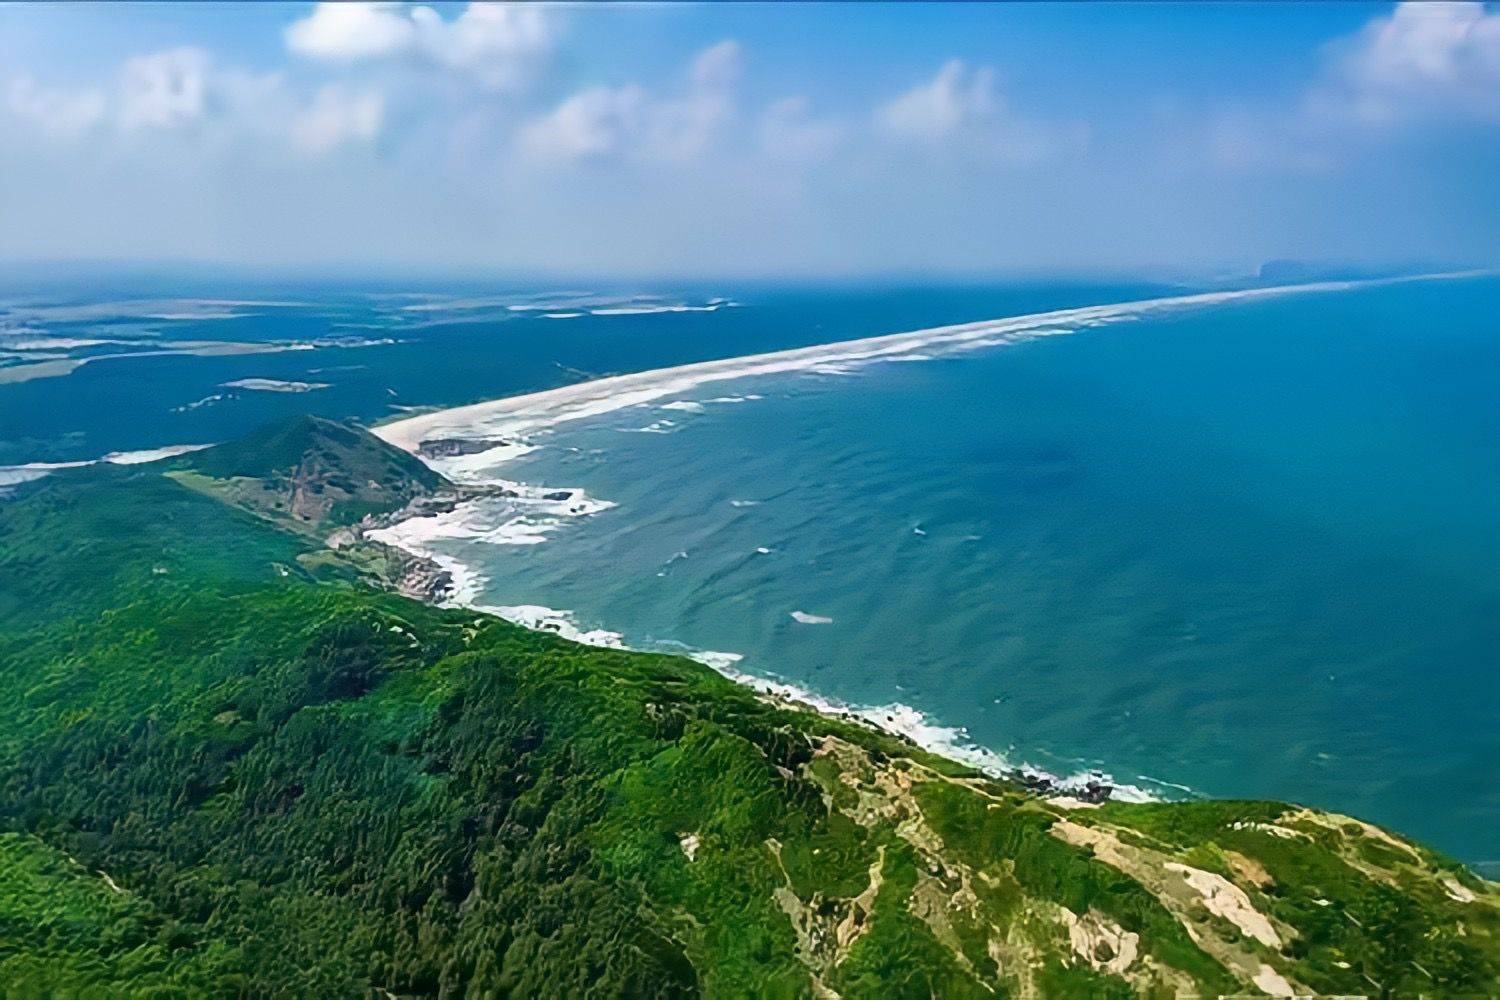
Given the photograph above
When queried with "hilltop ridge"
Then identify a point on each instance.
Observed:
(312, 471)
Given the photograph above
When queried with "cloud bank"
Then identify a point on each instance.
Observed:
(472, 135)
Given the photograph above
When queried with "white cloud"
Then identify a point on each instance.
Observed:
(164, 90)
(790, 132)
(347, 32)
(61, 113)
(590, 124)
(496, 44)
(717, 67)
(186, 155)
(628, 122)
(954, 99)
(962, 109)
(1423, 60)
(1421, 64)
(337, 116)
(183, 91)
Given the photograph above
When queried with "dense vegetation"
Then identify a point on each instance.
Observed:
(308, 473)
(228, 770)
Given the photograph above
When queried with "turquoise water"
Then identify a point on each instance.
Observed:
(1252, 550)
(1249, 550)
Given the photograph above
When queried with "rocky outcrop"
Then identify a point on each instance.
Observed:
(454, 447)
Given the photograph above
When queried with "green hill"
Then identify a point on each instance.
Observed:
(310, 471)
(221, 775)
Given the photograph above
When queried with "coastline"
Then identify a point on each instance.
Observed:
(468, 444)
(450, 582)
(533, 411)
(14, 475)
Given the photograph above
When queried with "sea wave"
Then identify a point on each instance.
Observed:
(514, 421)
(197, 404)
(541, 618)
(654, 427)
(517, 514)
(470, 521)
(953, 743)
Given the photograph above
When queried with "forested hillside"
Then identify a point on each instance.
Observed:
(229, 766)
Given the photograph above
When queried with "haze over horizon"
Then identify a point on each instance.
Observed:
(703, 140)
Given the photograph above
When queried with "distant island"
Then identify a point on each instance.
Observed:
(240, 762)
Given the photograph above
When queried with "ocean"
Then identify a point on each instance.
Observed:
(1244, 547)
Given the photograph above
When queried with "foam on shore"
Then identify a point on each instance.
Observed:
(514, 420)
(540, 618)
(911, 724)
(473, 521)
(520, 514)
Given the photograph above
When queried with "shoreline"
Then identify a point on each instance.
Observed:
(457, 585)
(468, 443)
(532, 411)
(15, 475)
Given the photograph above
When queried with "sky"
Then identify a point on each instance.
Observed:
(747, 139)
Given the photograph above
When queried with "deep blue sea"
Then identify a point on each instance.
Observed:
(1245, 550)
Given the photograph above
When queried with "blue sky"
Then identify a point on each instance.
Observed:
(804, 139)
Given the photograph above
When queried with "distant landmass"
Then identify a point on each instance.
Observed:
(1287, 271)
(237, 764)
